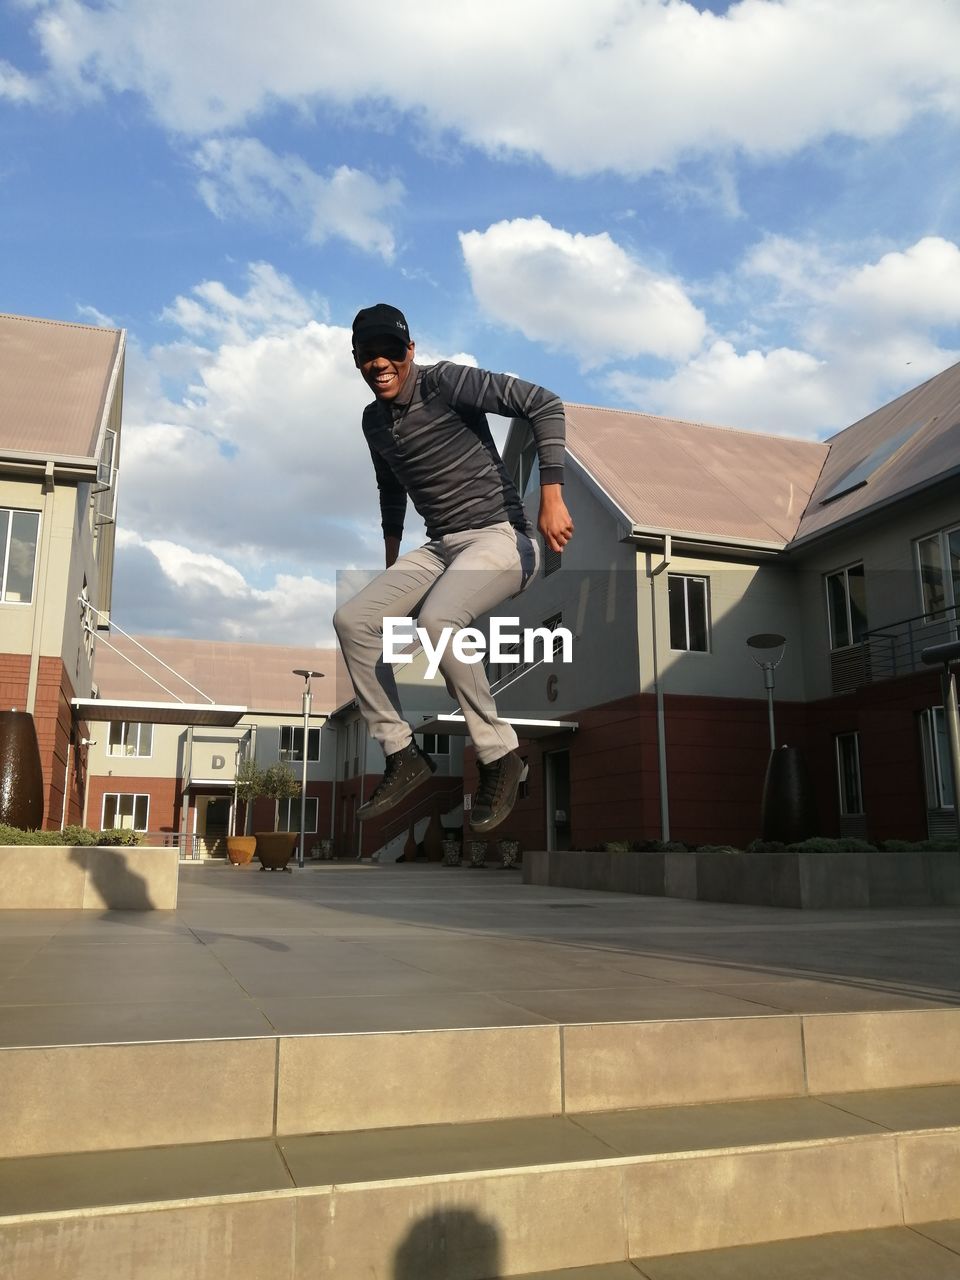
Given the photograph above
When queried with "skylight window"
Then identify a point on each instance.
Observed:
(859, 475)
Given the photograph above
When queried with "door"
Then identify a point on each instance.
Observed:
(213, 823)
(557, 778)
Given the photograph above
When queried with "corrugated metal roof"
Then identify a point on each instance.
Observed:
(689, 478)
(921, 431)
(258, 676)
(54, 379)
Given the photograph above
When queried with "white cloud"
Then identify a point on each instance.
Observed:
(578, 292)
(780, 392)
(163, 583)
(245, 481)
(242, 177)
(272, 304)
(861, 334)
(632, 87)
(15, 86)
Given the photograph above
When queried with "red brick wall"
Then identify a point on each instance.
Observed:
(164, 793)
(14, 675)
(717, 752)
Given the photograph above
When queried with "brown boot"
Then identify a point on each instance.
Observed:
(406, 770)
(497, 793)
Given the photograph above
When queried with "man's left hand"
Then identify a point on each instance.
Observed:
(554, 521)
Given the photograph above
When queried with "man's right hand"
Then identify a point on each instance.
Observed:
(391, 547)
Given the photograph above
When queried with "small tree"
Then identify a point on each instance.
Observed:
(249, 785)
(276, 782)
(279, 782)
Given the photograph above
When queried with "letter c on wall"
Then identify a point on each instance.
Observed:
(552, 688)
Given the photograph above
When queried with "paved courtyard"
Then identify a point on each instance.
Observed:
(358, 947)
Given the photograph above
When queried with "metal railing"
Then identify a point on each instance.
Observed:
(894, 650)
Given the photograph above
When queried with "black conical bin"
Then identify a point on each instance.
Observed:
(789, 805)
(21, 775)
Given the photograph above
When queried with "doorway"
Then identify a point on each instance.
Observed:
(557, 778)
(213, 825)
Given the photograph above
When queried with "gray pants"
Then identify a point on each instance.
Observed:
(450, 582)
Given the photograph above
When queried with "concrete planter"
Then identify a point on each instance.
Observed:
(88, 877)
(800, 880)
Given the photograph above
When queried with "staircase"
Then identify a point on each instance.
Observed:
(675, 1150)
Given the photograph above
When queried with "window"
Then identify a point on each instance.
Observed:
(131, 812)
(435, 744)
(288, 814)
(128, 739)
(689, 601)
(291, 743)
(938, 563)
(848, 773)
(18, 554)
(936, 759)
(847, 606)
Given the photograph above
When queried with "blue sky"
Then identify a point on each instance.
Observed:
(743, 214)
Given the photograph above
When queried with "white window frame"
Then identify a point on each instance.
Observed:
(5, 555)
(855, 736)
(844, 570)
(686, 579)
(435, 744)
(950, 601)
(290, 754)
(293, 815)
(936, 765)
(122, 748)
(135, 796)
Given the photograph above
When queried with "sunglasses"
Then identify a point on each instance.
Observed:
(387, 347)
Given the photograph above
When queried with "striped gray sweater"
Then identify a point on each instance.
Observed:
(433, 443)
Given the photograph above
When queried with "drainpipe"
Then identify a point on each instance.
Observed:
(658, 685)
(43, 569)
(363, 779)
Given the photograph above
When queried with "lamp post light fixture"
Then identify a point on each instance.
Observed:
(769, 641)
(943, 655)
(307, 699)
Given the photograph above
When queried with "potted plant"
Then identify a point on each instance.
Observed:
(248, 784)
(509, 851)
(275, 848)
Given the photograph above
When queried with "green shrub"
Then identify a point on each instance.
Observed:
(118, 836)
(816, 844)
(69, 835)
(616, 846)
(943, 844)
(766, 846)
(853, 844)
(717, 848)
(672, 846)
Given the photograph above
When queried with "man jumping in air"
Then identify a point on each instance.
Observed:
(428, 436)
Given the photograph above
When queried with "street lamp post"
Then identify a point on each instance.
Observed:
(768, 640)
(307, 699)
(944, 654)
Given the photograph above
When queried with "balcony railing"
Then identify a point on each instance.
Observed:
(891, 651)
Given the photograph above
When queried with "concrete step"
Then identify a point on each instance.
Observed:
(73, 1098)
(927, 1251)
(664, 1186)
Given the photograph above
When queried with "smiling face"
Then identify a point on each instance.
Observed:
(384, 364)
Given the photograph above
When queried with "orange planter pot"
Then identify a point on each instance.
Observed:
(240, 849)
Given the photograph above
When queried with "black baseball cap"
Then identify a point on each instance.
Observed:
(380, 320)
